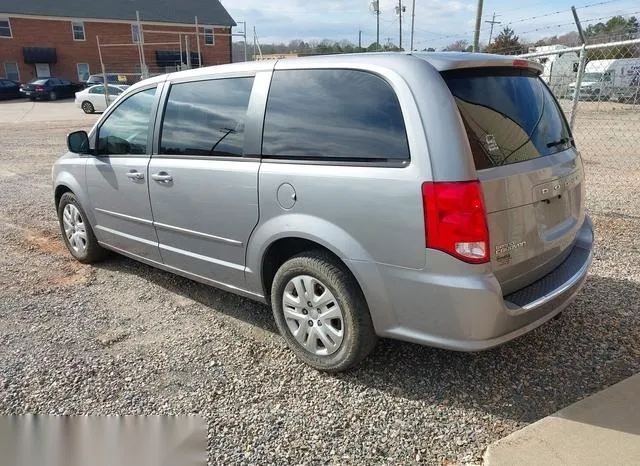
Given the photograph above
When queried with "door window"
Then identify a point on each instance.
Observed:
(126, 129)
(206, 117)
(11, 71)
(83, 71)
(43, 70)
(333, 115)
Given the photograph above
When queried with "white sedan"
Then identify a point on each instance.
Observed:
(92, 99)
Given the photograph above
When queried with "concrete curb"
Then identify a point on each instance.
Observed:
(601, 429)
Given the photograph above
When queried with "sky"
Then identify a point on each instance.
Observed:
(437, 22)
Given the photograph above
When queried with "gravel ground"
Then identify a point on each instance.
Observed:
(122, 337)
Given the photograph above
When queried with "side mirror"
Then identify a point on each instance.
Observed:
(78, 142)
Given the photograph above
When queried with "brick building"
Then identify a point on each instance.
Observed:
(60, 38)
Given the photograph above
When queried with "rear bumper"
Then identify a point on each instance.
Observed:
(447, 307)
(35, 94)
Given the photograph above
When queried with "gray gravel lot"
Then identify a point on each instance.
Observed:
(122, 337)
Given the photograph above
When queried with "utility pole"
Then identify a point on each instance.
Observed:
(104, 73)
(399, 10)
(476, 36)
(254, 42)
(413, 21)
(360, 40)
(143, 61)
(492, 22)
(187, 51)
(244, 33)
(198, 42)
(375, 7)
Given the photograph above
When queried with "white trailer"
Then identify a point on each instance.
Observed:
(560, 68)
(604, 79)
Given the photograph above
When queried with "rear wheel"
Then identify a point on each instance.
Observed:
(321, 312)
(77, 232)
(87, 107)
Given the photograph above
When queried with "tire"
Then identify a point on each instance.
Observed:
(32, 99)
(53, 96)
(349, 337)
(77, 232)
(87, 107)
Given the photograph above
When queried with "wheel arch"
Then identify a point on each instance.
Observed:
(65, 182)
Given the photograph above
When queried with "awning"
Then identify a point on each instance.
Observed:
(39, 55)
(172, 58)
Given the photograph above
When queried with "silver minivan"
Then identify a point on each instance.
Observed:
(433, 198)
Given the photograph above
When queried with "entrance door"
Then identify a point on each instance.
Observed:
(204, 192)
(116, 178)
(43, 70)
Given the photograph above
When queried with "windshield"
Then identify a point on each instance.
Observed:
(509, 114)
(592, 77)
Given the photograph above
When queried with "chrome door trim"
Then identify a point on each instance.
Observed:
(192, 276)
(198, 234)
(201, 257)
(123, 216)
(125, 235)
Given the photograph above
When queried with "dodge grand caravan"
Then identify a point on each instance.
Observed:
(434, 198)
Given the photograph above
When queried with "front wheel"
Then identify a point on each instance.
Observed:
(77, 232)
(321, 312)
(53, 95)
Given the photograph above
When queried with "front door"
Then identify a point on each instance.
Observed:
(43, 70)
(204, 192)
(117, 178)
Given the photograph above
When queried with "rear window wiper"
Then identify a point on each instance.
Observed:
(559, 142)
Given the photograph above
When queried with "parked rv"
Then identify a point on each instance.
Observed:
(560, 68)
(604, 79)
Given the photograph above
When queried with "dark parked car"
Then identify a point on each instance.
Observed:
(9, 89)
(50, 88)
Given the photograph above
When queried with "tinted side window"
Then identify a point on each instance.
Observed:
(125, 131)
(334, 115)
(206, 117)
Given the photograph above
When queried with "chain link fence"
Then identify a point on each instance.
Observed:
(598, 87)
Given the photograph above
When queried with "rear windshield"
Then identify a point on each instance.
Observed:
(509, 114)
(39, 82)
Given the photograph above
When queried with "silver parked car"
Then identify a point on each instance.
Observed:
(434, 198)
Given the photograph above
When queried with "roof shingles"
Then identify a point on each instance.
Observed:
(209, 12)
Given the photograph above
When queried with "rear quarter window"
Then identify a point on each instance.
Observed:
(509, 114)
(333, 114)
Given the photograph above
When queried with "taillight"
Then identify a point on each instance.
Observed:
(39, 88)
(455, 220)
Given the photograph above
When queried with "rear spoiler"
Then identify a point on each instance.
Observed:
(448, 61)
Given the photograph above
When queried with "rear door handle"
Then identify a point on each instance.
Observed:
(135, 175)
(162, 177)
